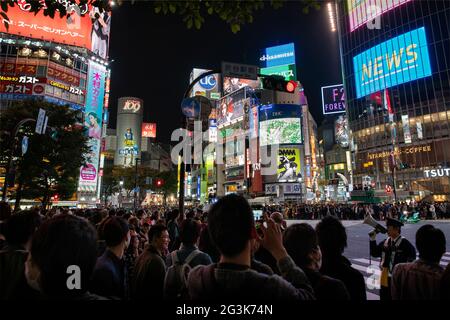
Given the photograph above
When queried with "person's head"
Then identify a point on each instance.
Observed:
(20, 227)
(145, 227)
(93, 119)
(301, 243)
(394, 227)
(61, 247)
(140, 214)
(158, 236)
(5, 211)
(430, 242)
(190, 214)
(133, 221)
(231, 225)
(332, 236)
(116, 232)
(189, 232)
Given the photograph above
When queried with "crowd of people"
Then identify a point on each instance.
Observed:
(220, 254)
(382, 211)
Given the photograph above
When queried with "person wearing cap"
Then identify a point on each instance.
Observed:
(394, 250)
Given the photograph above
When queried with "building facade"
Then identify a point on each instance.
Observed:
(396, 75)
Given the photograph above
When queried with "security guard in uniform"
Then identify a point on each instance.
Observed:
(395, 249)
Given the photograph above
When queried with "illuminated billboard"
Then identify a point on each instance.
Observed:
(288, 165)
(277, 55)
(208, 86)
(280, 124)
(232, 84)
(286, 71)
(86, 27)
(363, 11)
(341, 132)
(231, 108)
(93, 123)
(333, 99)
(149, 130)
(130, 113)
(393, 62)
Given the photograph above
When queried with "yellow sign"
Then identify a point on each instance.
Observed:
(288, 164)
(407, 150)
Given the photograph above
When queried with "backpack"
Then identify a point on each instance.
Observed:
(178, 273)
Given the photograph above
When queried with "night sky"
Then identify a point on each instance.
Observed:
(154, 55)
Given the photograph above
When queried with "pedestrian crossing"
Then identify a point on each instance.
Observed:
(370, 268)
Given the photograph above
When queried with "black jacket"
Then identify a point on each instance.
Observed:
(340, 268)
(13, 284)
(149, 273)
(326, 288)
(109, 278)
(403, 252)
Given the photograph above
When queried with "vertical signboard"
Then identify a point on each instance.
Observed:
(93, 124)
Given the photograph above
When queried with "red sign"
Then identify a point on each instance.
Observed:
(14, 87)
(149, 130)
(86, 27)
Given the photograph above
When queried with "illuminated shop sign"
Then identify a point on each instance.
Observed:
(437, 173)
(408, 150)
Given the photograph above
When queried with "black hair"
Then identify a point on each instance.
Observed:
(156, 231)
(60, 242)
(19, 228)
(300, 240)
(332, 236)
(5, 211)
(189, 231)
(230, 224)
(430, 243)
(113, 231)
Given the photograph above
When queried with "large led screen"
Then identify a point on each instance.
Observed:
(85, 27)
(393, 62)
(280, 131)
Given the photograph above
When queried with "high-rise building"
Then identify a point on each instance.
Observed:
(396, 75)
(64, 61)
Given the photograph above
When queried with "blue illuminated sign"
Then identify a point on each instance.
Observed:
(393, 62)
(208, 82)
(277, 56)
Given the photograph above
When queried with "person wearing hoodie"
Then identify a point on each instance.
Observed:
(232, 229)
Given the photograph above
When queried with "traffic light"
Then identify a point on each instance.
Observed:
(159, 182)
(278, 83)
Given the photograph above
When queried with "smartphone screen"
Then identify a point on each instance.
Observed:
(257, 214)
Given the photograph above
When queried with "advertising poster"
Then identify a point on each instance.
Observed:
(280, 124)
(129, 130)
(341, 131)
(362, 11)
(149, 130)
(232, 84)
(393, 62)
(86, 27)
(288, 165)
(333, 99)
(253, 123)
(231, 108)
(406, 129)
(93, 125)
